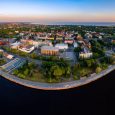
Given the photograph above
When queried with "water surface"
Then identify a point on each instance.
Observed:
(92, 99)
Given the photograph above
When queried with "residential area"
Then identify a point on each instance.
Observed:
(53, 53)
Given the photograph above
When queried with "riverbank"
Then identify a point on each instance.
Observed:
(56, 86)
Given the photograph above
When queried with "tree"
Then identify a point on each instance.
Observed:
(78, 49)
(1, 55)
(21, 76)
(89, 63)
(104, 66)
(83, 72)
(98, 69)
(33, 55)
(95, 55)
(57, 71)
(15, 72)
(31, 65)
(68, 71)
(26, 72)
(112, 60)
(76, 77)
(63, 70)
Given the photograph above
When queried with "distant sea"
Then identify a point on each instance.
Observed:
(68, 23)
(81, 23)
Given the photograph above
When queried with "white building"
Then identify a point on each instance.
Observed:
(100, 37)
(36, 43)
(27, 49)
(10, 56)
(62, 46)
(85, 55)
(75, 44)
(15, 45)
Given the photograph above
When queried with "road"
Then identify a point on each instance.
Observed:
(109, 52)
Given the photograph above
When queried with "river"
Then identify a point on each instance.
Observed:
(92, 99)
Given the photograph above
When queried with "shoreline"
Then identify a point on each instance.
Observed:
(56, 86)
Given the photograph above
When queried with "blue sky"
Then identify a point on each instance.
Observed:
(57, 10)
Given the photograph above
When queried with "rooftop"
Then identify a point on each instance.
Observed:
(49, 48)
(61, 44)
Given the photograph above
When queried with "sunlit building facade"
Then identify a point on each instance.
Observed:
(49, 50)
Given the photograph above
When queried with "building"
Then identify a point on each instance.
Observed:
(49, 50)
(88, 36)
(27, 49)
(85, 55)
(113, 41)
(9, 56)
(37, 43)
(61, 46)
(12, 40)
(69, 41)
(15, 45)
(75, 44)
(1, 50)
(2, 42)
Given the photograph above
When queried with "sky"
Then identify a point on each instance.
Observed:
(48, 11)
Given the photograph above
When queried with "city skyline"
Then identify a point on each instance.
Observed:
(50, 11)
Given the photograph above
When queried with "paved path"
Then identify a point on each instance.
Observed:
(56, 86)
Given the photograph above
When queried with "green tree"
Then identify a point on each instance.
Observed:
(76, 77)
(89, 63)
(31, 65)
(57, 71)
(21, 76)
(68, 71)
(16, 72)
(33, 55)
(26, 72)
(78, 49)
(98, 69)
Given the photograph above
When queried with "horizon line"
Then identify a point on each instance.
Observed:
(66, 23)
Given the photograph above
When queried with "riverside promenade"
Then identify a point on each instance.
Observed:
(56, 86)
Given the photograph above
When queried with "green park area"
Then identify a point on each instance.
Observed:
(61, 71)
